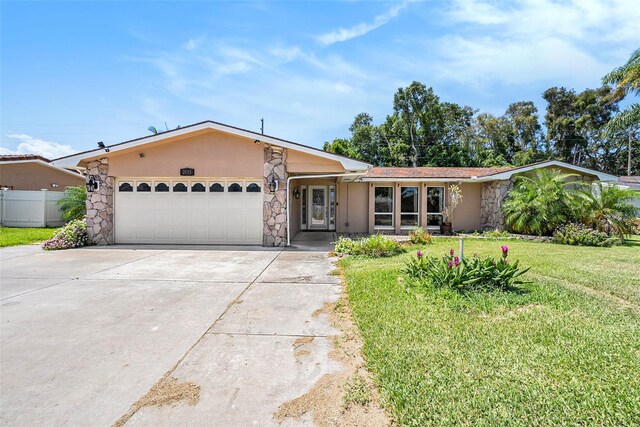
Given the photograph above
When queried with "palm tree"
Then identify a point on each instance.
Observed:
(626, 79)
(74, 203)
(608, 208)
(539, 203)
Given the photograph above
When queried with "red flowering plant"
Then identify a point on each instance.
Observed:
(464, 274)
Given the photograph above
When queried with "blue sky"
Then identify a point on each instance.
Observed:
(74, 73)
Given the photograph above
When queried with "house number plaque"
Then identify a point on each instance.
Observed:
(187, 172)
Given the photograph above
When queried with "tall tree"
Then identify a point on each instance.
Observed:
(626, 80)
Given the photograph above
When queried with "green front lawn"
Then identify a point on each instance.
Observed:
(10, 236)
(563, 351)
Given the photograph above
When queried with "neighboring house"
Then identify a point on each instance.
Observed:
(211, 183)
(632, 183)
(32, 172)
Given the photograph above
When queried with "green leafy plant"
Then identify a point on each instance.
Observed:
(372, 246)
(540, 203)
(420, 236)
(72, 235)
(465, 274)
(607, 208)
(73, 203)
(581, 235)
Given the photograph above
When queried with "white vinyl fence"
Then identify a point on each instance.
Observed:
(30, 208)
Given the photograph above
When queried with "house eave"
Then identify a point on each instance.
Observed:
(71, 161)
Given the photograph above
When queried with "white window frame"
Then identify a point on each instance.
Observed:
(155, 183)
(332, 207)
(303, 197)
(393, 209)
(426, 203)
(416, 214)
(192, 183)
(222, 183)
(186, 184)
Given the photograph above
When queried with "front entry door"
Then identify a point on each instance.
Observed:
(318, 204)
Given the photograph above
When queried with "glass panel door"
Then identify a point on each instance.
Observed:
(332, 207)
(435, 206)
(318, 204)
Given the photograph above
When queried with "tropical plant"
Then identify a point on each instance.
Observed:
(372, 246)
(72, 235)
(455, 197)
(607, 208)
(581, 235)
(539, 203)
(73, 203)
(626, 80)
(465, 274)
(420, 236)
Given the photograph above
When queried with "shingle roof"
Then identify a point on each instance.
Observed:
(431, 172)
(14, 157)
(629, 179)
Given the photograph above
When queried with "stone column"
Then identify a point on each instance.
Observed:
(493, 194)
(274, 212)
(100, 205)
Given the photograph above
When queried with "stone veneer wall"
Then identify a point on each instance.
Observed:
(274, 212)
(493, 193)
(100, 205)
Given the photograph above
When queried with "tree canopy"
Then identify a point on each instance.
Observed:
(584, 128)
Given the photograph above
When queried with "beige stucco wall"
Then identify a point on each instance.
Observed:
(353, 208)
(299, 162)
(210, 154)
(35, 176)
(466, 217)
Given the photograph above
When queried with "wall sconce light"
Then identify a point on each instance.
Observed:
(296, 193)
(93, 183)
(273, 185)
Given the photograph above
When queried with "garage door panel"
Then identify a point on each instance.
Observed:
(188, 217)
(235, 201)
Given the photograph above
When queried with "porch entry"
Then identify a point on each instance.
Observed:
(318, 207)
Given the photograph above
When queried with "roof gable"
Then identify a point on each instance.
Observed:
(348, 163)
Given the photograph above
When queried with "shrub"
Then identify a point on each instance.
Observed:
(540, 203)
(373, 246)
(608, 208)
(465, 274)
(420, 236)
(73, 203)
(72, 235)
(578, 234)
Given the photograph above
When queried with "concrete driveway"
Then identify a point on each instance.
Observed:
(86, 333)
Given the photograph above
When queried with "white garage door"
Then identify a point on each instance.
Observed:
(204, 211)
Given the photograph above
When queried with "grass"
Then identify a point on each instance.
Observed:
(10, 236)
(564, 350)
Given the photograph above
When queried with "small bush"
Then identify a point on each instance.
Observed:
(72, 235)
(465, 274)
(373, 246)
(420, 236)
(580, 235)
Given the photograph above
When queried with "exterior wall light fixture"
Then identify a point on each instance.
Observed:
(93, 183)
(273, 184)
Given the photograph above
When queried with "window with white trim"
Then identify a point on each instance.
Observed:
(409, 206)
(216, 187)
(435, 205)
(180, 187)
(383, 207)
(143, 187)
(198, 187)
(125, 187)
(162, 187)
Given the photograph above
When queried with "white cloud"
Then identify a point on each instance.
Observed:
(344, 34)
(31, 145)
(571, 42)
